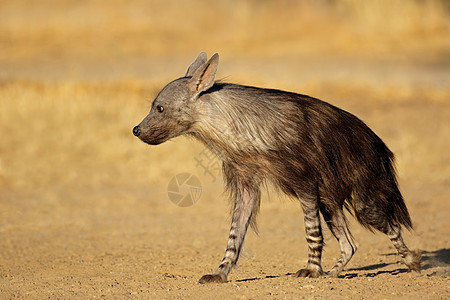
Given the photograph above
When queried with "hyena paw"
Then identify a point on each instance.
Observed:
(213, 278)
(333, 273)
(309, 272)
(412, 260)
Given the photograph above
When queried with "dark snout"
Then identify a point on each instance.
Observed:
(150, 136)
(136, 131)
(154, 131)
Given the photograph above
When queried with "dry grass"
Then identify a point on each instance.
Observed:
(80, 134)
(73, 134)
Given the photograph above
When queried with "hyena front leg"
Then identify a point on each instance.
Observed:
(244, 207)
(313, 268)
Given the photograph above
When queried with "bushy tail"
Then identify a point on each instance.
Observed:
(377, 201)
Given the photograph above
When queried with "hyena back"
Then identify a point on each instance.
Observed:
(313, 151)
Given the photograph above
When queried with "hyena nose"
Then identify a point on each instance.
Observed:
(136, 131)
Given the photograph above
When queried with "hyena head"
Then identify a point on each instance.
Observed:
(174, 111)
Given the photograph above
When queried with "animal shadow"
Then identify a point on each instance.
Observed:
(373, 267)
(430, 259)
(265, 277)
(437, 261)
(438, 258)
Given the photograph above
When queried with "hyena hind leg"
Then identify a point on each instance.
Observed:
(410, 258)
(337, 223)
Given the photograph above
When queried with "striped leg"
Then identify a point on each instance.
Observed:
(338, 226)
(243, 208)
(410, 258)
(314, 238)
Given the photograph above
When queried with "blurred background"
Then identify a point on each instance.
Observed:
(76, 76)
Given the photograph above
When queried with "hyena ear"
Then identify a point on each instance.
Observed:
(204, 77)
(197, 63)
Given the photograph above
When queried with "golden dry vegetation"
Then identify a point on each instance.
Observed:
(84, 210)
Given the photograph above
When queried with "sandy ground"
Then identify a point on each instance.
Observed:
(131, 241)
(84, 206)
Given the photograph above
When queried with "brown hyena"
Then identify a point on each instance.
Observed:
(322, 155)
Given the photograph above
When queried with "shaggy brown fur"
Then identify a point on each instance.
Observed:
(312, 150)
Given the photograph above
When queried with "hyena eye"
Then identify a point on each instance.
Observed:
(160, 108)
